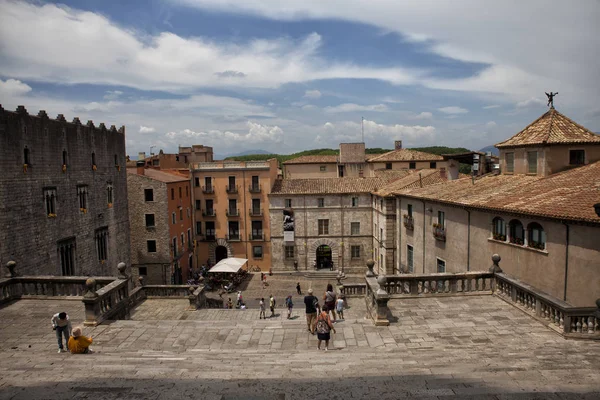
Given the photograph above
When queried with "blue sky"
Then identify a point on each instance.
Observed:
(295, 75)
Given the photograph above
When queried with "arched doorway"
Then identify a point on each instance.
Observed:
(220, 253)
(323, 257)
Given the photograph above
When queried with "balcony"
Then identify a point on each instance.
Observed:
(232, 189)
(254, 188)
(208, 189)
(233, 212)
(210, 237)
(233, 237)
(409, 222)
(257, 237)
(208, 213)
(439, 232)
(256, 212)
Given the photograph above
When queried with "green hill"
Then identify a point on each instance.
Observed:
(328, 152)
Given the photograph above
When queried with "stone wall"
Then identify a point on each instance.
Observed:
(155, 263)
(29, 236)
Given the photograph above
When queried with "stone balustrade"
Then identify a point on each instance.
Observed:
(567, 320)
(353, 290)
(168, 291)
(110, 302)
(376, 297)
(413, 285)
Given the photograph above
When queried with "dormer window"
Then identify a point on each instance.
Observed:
(576, 157)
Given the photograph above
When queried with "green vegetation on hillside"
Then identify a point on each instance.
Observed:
(439, 150)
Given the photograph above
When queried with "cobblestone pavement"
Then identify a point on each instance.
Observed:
(446, 348)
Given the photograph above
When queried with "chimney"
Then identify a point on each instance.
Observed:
(140, 165)
(443, 173)
(398, 144)
(141, 156)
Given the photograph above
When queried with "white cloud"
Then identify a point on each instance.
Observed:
(491, 124)
(491, 106)
(112, 94)
(351, 107)
(146, 129)
(109, 54)
(525, 57)
(312, 94)
(256, 134)
(376, 134)
(423, 115)
(392, 100)
(453, 110)
(531, 102)
(13, 87)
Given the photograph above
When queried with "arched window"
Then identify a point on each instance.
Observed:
(536, 236)
(517, 233)
(499, 229)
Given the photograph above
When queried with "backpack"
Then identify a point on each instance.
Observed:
(322, 326)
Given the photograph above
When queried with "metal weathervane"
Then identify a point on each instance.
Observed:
(551, 98)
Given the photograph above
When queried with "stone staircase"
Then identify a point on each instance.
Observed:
(330, 275)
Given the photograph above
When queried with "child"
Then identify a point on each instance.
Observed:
(62, 326)
(79, 344)
(339, 306)
(229, 303)
(262, 308)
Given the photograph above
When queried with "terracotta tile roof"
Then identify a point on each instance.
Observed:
(329, 185)
(551, 128)
(313, 160)
(406, 155)
(569, 195)
(395, 173)
(160, 176)
(413, 179)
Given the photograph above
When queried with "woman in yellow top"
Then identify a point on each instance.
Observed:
(79, 344)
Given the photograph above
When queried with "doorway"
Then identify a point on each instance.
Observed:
(323, 257)
(220, 253)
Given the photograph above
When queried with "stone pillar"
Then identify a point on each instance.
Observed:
(122, 267)
(11, 266)
(382, 298)
(495, 269)
(525, 237)
(91, 303)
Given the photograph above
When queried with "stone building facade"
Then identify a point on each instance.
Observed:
(333, 222)
(230, 201)
(542, 224)
(161, 220)
(63, 195)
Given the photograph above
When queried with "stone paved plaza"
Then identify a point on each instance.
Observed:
(454, 347)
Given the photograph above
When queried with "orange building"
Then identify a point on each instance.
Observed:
(231, 205)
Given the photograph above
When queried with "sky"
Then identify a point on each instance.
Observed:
(285, 76)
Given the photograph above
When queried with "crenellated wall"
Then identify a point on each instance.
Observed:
(29, 235)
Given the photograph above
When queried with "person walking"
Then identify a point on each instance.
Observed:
(312, 305)
(79, 344)
(262, 309)
(272, 306)
(62, 325)
(239, 300)
(329, 299)
(339, 307)
(324, 328)
(298, 288)
(289, 304)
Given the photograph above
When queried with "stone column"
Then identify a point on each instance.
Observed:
(495, 269)
(382, 298)
(91, 303)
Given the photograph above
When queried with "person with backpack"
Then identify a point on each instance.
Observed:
(324, 328)
(312, 305)
(289, 304)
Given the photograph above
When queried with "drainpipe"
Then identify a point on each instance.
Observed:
(245, 225)
(468, 239)
(423, 236)
(566, 259)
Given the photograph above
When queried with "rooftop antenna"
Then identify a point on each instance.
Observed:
(151, 147)
(362, 127)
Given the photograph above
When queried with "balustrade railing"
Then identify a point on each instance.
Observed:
(410, 285)
(354, 290)
(167, 291)
(568, 320)
(42, 287)
(110, 302)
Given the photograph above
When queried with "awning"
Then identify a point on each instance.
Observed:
(229, 265)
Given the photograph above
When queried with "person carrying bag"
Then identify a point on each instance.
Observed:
(324, 328)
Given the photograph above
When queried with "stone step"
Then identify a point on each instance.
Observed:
(322, 274)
